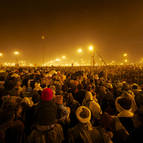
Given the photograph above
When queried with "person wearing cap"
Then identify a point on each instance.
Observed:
(125, 106)
(46, 120)
(84, 131)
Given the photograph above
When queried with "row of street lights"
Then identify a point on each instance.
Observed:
(91, 49)
(16, 53)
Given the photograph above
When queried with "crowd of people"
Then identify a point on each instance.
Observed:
(71, 104)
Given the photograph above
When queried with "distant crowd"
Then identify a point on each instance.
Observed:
(102, 104)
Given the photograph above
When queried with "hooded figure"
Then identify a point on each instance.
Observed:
(47, 129)
(126, 106)
(125, 110)
(83, 114)
(83, 131)
(47, 109)
(94, 107)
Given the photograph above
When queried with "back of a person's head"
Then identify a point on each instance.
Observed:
(10, 83)
(125, 103)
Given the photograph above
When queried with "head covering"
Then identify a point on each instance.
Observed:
(83, 114)
(88, 97)
(123, 105)
(47, 94)
(92, 104)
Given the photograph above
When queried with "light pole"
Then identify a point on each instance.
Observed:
(43, 37)
(80, 52)
(125, 58)
(16, 53)
(91, 48)
(1, 55)
(63, 59)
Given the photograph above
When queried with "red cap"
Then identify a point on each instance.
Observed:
(47, 94)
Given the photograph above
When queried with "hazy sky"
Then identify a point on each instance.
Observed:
(112, 26)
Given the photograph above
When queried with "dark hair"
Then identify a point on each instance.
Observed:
(10, 83)
(125, 103)
(84, 113)
(134, 87)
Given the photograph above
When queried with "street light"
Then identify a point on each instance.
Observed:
(126, 60)
(63, 57)
(79, 50)
(58, 60)
(43, 37)
(90, 48)
(1, 54)
(16, 53)
(125, 55)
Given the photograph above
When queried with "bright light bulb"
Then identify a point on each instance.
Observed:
(63, 57)
(16, 53)
(1, 54)
(57, 60)
(91, 48)
(125, 54)
(79, 50)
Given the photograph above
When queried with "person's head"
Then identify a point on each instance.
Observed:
(88, 97)
(125, 103)
(10, 83)
(135, 87)
(102, 90)
(83, 115)
(47, 94)
(80, 96)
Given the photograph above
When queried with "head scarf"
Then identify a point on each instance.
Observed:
(85, 120)
(92, 105)
(125, 112)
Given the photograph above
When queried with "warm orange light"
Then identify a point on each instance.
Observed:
(90, 48)
(1, 54)
(57, 60)
(42, 37)
(16, 53)
(126, 60)
(79, 50)
(63, 57)
(125, 54)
